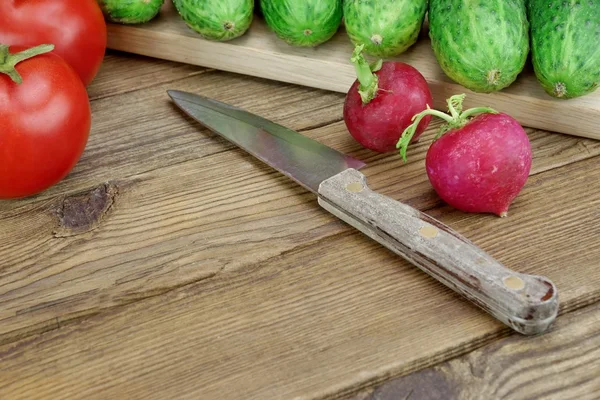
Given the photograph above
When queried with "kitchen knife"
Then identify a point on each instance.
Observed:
(526, 303)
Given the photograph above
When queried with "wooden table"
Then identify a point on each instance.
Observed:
(170, 265)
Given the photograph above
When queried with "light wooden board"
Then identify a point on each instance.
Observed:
(562, 365)
(260, 53)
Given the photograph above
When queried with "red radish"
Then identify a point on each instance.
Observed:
(481, 161)
(381, 102)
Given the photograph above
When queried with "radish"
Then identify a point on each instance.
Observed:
(480, 160)
(381, 102)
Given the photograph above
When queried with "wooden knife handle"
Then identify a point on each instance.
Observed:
(526, 303)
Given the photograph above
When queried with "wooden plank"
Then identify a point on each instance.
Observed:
(142, 130)
(408, 182)
(132, 144)
(564, 364)
(123, 72)
(260, 53)
(280, 300)
(127, 141)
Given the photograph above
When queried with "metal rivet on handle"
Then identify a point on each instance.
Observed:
(514, 283)
(429, 231)
(355, 187)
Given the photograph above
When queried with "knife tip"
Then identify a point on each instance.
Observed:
(176, 94)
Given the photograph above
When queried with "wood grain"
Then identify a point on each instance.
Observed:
(407, 182)
(260, 53)
(529, 305)
(137, 160)
(132, 134)
(193, 269)
(142, 130)
(123, 72)
(562, 365)
(280, 300)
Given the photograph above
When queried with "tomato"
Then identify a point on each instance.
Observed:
(76, 28)
(44, 122)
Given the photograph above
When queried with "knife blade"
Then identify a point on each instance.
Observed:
(526, 303)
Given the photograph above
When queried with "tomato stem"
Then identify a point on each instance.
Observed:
(8, 61)
(365, 73)
(3, 53)
(456, 120)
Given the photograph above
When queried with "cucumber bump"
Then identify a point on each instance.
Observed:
(218, 20)
(305, 23)
(386, 28)
(565, 49)
(130, 11)
(481, 44)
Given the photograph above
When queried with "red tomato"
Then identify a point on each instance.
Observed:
(76, 28)
(44, 124)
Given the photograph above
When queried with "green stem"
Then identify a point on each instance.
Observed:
(478, 110)
(438, 114)
(455, 105)
(364, 71)
(456, 120)
(9, 61)
(4, 53)
(409, 132)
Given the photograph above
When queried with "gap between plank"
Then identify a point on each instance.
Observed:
(158, 83)
(445, 372)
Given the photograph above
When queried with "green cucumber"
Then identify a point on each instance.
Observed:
(481, 44)
(385, 27)
(306, 23)
(218, 20)
(130, 11)
(565, 46)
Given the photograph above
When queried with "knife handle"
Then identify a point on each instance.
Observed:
(526, 303)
